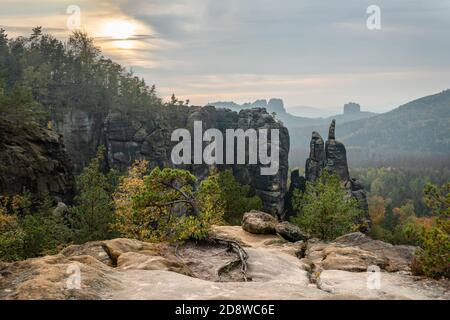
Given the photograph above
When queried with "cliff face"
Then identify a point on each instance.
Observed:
(34, 158)
(146, 134)
(82, 134)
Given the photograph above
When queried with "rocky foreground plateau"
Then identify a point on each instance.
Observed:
(232, 264)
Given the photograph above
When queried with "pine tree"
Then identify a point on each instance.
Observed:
(93, 212)
(325, 210)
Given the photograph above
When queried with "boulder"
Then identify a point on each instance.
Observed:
(259, 222)
(93, 249)
(61, 209)
(399, 257)
(115, 248)
(350, 259)
(356, 252)
(290, 232)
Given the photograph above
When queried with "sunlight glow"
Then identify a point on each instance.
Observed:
(118, 29)
(123, 44)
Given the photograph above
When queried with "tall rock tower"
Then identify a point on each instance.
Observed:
(331, 156)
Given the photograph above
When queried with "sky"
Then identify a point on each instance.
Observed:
(307, 52)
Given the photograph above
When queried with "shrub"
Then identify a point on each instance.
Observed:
(433, 258)
(11, 237)
(45, 230)
(325, 210)
(236, 197)
(26, 233)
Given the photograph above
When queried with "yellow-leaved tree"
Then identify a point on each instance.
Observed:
(166, 204)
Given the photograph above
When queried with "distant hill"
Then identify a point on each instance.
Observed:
(418, 128)
(420, 125)
(311, 112)
(290, 121)
(272, 106)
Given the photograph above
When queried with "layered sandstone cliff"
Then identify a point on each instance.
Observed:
(33, 159)
(146, 134)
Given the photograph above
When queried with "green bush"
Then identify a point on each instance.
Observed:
(433, 257)
(45, 230)
(236, 197)
(325, 210)
(27, 233)
(11, 238)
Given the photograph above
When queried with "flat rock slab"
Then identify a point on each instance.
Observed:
(130, 269)
(384, 285)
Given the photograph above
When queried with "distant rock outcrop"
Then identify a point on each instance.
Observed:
(333, 158)
(33, 158)
(352, 108)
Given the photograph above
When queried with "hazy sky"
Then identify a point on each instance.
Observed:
(308, 52)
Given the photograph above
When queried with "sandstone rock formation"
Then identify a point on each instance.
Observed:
(297, 182)
(316, 160)
(331, 156)
(146, 134)
(277, 269)
(33, 158)
(82, 133)
(336, 155)
(355, 252)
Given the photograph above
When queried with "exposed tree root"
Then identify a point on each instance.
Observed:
(240, 261)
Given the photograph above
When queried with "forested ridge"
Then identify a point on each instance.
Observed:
(62, 76)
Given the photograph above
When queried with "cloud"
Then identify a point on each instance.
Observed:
(380, 91)
(309, 52)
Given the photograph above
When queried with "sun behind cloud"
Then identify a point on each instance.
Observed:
(119, 29)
